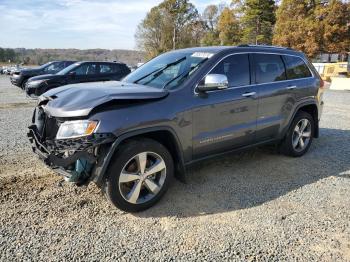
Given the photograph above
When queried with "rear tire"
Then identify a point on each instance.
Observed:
(139, 175)
(299, 136)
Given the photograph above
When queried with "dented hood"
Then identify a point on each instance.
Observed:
(79, 99)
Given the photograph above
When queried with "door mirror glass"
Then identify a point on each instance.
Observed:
(72, 74)
(213, 82)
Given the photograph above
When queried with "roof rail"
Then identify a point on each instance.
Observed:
(265, 46)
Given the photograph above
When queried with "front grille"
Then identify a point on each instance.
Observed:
(80, 143)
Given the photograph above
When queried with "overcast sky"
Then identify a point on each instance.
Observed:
(84, 24)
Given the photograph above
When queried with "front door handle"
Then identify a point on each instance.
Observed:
(249, 94)
(291, 87)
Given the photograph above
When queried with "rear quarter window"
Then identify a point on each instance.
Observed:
(110, 69)
(296, 67)
(107, 69)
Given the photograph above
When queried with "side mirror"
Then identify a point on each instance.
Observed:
(213, 82)
(72, 74)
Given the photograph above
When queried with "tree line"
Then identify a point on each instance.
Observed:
(40, 56)
(311, 26)
(7, 54)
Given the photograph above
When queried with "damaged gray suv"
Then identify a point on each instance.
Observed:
(131, 137)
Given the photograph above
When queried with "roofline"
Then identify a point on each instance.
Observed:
(252, 48)
(88, 61)
(266, 46)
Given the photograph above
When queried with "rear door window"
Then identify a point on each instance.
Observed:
(296, 67)
(269, 68)
(109, 69)
(236, 68)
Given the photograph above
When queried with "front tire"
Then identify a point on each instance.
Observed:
(299, 136)
(139, 175)
(23, 85)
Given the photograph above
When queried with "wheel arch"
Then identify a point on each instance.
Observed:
(308, 107)
(24, 79)
(164, 135)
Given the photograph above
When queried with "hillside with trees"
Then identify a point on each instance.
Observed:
(311, 26)
(41, 56)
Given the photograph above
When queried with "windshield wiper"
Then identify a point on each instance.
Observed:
(184, 74)
(159, 71)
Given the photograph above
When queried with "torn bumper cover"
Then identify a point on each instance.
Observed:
(54, 152)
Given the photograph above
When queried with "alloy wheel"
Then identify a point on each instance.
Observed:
(142, 177)
(301, 135)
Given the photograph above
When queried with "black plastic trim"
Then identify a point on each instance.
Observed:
(101, 172)
(51, 159)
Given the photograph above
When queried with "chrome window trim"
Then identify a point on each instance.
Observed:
(254, 52)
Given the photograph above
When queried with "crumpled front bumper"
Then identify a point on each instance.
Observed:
(52, 155)
(15, 80)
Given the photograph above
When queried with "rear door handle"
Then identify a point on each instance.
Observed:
(249, 94)
(291, 87)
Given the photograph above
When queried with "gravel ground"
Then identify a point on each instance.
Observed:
(252, 206)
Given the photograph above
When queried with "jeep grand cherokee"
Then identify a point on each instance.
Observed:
(131, 137)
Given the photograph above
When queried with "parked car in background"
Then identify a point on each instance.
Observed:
(131, 137)
(20, 77)
(6, 70)
(11, 70)
(15, 69)
(79, 72)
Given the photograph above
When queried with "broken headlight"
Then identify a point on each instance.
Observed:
(77, 128)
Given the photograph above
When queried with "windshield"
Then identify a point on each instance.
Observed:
(44, 65)
(168, 70)
(67, 69)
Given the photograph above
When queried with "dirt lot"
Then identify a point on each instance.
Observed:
(253, 206)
